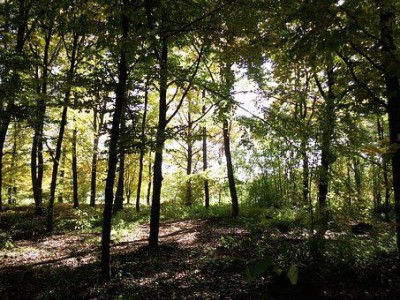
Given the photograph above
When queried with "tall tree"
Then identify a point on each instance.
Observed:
(75, 167)
(120, 101)
(77, 40)
(391, 65)
(142, 145)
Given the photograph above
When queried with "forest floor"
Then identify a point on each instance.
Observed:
(197, 258)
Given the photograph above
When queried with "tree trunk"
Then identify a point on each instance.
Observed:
(148, 194)
(119, 194)
(189, 161)
(113, 159)
(160, 140)
(22, 20)
(75, 168)
(358, 177)
(327, 127)
(391, 66)
(53, 184)
(62, 177)
(42, 111)
(306, 172)
(231, 178)
(97, 132)
(142, 147)
(3, 133)
(12, 187)
(205, 163)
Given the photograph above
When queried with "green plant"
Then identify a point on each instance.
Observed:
(6, 241)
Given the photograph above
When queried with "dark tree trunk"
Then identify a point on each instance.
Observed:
(53, 184)
(22, 20)
(391, 65)
(97, 132)
(385, 170)
(229, 165)
(148, 194)
(160, 140)
(12, 188)
(75, 168)
(189, 161)
(358, 177)
(142, 148)
(37, 161)
(327, 128)
(119, 194)
(113, 156)
(3, 133)
(205, 163)
(33, 163)
(306, 172)
(62, 176)
(94, 160)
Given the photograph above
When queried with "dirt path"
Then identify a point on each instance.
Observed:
(187, 258)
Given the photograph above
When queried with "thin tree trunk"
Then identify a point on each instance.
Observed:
(97, 132)
(3, 133)
(119, 194)
(142, 147)
(328, 123)
(358, 177)
(148, 194)
(385, 170)
(160, 140)
(205, 163)
(113, 159)
(53, 184)
(229, 165)
(12, 187)
(94, 160)
(62, 177)
(75, 167)
(306, 172)
(189, 161)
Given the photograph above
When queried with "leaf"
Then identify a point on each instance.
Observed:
(255, 270)
(293, 274)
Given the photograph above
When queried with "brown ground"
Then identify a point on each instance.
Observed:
(196, 259)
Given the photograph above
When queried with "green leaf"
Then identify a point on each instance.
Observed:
(293, 274)
(255, 270)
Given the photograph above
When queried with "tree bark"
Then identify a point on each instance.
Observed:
(391, 66)
(328, 124)
(229, 165)
(205, 162)
(97, 132)
(160, 140)
(142, 147)
(148, 194)
(53, 184)
(37, 161)
(62, 176)
(75, 168)
(7, 110)
(112, 156)
(306, 172)
(12, 188)
(119, 194)
(189, 160)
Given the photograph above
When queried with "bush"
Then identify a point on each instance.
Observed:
(261, 192)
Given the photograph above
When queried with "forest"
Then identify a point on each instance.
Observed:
(199, 149)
